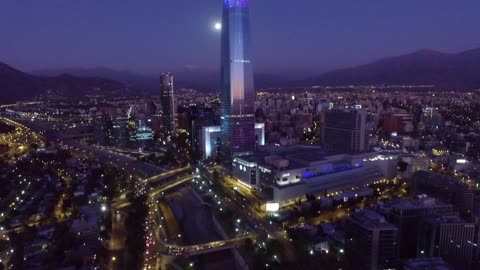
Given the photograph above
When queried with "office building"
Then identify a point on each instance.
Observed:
(416, 163)
(246, 170)
(120, 132)
(407, 215)
(211, 139)
(371, 243)
(447, 188)
(398, 123)
(144, 134)
(260, 133)
(237, 93)
(101, 130)
(168, 107)
(448, 237)
(345, 131)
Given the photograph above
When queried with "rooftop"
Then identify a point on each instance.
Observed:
(446, 219)
(422, 201)
(370, 219)
(426, 263)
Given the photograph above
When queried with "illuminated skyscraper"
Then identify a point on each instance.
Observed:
(237, 93)
(166, 98)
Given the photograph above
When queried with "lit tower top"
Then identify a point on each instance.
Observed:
(236, 3)
(237, 93)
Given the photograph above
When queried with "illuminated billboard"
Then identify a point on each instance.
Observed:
(272, 207)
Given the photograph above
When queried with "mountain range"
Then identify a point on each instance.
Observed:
(16, 85)
(424, 67)
(203, 79)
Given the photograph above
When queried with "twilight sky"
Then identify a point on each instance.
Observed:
(151, 36)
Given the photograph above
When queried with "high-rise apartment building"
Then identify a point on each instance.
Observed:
(237, 93)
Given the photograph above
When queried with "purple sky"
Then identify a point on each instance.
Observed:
(150, 36)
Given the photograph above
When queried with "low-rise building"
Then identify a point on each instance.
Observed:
(292, 172)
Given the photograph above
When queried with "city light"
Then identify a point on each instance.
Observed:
(272, 207)
(280, 170)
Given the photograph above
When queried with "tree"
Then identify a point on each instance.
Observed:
(169, 158)
(196, 155)
(62, 156)
(16, 261)
(34, 146)
(216, 175)
(310, 197)
(402, 165)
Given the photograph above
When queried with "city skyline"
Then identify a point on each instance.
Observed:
(371, 167)
(319, 35)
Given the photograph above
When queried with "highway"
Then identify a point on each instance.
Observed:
(122, 161)
(155, 242)
(167, 174)
(123, 202)
(27, 103)
(18, 141)
(157, 191)
(193, 250)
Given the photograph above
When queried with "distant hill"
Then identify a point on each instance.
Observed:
(424, 67)
(126, 77)
(16, 85)
(202, 79)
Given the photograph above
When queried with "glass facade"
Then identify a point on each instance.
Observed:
(237, 93)
(168, 109)
(345, 131)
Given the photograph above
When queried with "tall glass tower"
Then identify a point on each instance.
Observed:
(166, 99)
(237, 94)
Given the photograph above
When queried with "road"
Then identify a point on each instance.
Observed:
(121, 161)
(27, 103)
(193, 250)
(166, 174)
(123, 202)
(246, 207)
(152, 246)
(124, 162)
(19, 141)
